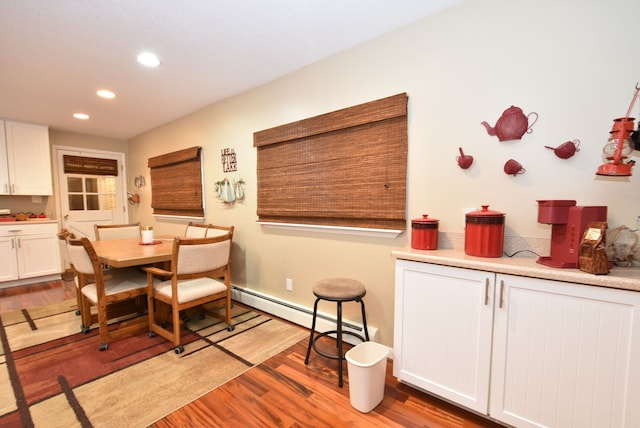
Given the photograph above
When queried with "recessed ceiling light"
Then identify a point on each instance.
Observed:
(81, 116)
(148, 59)
(104, 93)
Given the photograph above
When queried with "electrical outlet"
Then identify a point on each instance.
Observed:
(289, 283)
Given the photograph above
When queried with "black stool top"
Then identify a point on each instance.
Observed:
(339, 289)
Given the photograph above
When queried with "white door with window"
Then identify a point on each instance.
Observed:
(85, 199)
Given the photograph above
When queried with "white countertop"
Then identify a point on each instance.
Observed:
(29, 221)
(619, 277)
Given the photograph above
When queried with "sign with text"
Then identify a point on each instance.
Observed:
(89, 166)
(229, 160)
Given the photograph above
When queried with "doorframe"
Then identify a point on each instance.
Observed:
(93, 153)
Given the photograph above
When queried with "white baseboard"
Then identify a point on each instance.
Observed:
(28, 281)
(300, 315)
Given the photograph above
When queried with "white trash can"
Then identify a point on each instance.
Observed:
(367, 365)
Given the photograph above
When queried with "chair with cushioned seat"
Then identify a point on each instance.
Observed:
(197, 267)
(337, 290)
(105, 291)
(62, 236)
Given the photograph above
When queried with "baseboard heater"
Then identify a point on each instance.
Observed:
(299, 314)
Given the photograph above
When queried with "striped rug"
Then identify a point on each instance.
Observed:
(51, 375)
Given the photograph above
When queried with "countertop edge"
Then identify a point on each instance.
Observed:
(624, 278)
(30, 221)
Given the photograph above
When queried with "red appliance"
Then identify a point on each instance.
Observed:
(424, 233)
(568, 223)
(484, 233)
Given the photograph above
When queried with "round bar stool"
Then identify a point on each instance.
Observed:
(337, 290)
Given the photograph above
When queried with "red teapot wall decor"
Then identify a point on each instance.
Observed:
(512, 125)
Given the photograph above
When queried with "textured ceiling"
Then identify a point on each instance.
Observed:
(57, 53)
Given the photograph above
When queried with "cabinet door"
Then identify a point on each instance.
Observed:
(38, 255)
(565, 355)
(29, 159)
(8, 260)
(442, 333)
(4, 168)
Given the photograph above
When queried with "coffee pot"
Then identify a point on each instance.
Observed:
(512, 125)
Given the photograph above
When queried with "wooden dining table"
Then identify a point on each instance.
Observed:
(119, 253)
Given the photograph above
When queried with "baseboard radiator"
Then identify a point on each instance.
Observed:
(299, 314)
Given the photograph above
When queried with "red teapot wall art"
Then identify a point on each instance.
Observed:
(512, 125)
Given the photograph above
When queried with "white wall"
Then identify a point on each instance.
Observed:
(575, 63)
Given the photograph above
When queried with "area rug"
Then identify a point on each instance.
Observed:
(51, 375)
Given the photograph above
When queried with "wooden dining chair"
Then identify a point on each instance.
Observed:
(200, 273)
(117, 231)
(114, 294)
(196, 230)
(63, 235)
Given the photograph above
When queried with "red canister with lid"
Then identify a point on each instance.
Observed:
(484, 233)
(424, 233)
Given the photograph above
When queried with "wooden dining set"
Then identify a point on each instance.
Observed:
(178, 275)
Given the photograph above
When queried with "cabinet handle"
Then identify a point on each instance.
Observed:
(13, 244)
(501, 293)
(486, 291)
(13, 188)
(18, 240)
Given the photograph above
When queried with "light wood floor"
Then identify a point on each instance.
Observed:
(283, 391)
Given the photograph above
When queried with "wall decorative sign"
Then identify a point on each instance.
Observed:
(229, 163)
(89, 166)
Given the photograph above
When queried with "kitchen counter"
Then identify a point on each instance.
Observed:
(38, 220)
(28, 221)
(619, 277)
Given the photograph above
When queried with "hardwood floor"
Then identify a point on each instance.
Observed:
(283, 391)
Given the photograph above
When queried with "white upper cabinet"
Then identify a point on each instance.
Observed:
(25, 159)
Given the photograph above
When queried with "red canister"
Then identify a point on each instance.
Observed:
(424, 233)
(484, 233)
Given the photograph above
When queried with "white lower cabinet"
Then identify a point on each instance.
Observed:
(527, 352)
(8, 261)
(28, 251)
(565, 355)
(443, 323)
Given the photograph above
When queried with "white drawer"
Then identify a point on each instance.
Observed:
(26, 228)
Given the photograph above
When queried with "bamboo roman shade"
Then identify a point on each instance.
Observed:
(176, 183)
(346, 168)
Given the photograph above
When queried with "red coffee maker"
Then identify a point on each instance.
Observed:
(568, 223)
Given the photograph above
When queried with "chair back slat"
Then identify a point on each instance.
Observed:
(117, 231)
(196, 230)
